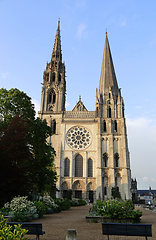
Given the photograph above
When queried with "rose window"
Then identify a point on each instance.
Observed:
(78, 138)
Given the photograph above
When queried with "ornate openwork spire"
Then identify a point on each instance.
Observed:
(108, 77)
(56, 54)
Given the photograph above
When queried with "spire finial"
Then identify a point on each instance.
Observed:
(79, 97)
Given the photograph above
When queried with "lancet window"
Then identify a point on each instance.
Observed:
(116, 160)
(53, 126)
(78, 166)
(66, 167)
(52, 97)
(105, 160)
(90, 167)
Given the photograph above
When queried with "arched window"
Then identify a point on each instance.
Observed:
(104, 126)
(78, 166)
(53, 77)
(109, 112)
(105, 160)
(115, 126)
(52, 97)
(53, 126)
(109, 95)
(66, 167)
(116, 160)
(59, 78)
(90, 167)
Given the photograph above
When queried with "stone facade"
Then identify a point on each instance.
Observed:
(91, 146)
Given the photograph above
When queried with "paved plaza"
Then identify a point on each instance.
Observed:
(56, 225)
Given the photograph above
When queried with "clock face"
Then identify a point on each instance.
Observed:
(78, 138)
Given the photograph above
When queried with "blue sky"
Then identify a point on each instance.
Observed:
(28, 29)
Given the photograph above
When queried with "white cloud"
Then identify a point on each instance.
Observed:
(153, 180)
(81, 31)
(138, 122)
(142, 145)
(145, 179)
(37, 106)
(4, 75)
(74, 50)
(67, 104)
(123, 23)
(138, 107)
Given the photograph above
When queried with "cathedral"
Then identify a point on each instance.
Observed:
(92, 156)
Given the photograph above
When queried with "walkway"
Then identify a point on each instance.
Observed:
(56, 225)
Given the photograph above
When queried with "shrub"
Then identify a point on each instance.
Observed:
(82, 202)
(74, 202)
(116, 210)
(64, 204)
(41, 209)
(21, 209)
(50, 205)
(6, 233)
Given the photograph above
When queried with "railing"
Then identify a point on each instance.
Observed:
(88, 114)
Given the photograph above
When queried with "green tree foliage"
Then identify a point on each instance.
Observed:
(14, 158)
(115, 193)
(15, 102)
(26, 159)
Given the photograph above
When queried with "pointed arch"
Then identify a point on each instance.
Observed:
(66, 167)
(105, 160)
(53, 126)
(78, 166)
(90, 167)
(104, 126)
(116, 160)
(52, 96)
(109, 112)
(115, 126)
(59, 78)
(53, 77)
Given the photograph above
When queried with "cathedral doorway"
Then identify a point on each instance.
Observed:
(91, 196)
(65, 193)
(78, 194)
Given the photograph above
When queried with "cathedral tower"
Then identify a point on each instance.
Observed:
(116, 171)
(54, 84)
(92, 156)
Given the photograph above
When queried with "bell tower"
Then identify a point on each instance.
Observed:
(115, 162)
(54, 83)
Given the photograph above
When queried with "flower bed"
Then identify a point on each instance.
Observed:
(20, 209)
(113, 211)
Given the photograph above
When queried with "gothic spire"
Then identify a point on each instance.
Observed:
(108, 77)
(56, 54)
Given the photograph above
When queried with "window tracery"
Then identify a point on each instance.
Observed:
(78, 138)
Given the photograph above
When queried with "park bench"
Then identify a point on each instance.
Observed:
(127, 229)
(33, 228)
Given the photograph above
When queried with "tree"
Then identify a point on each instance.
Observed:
(15, 102)
(14, 156)
(43, 153)
(24, 152)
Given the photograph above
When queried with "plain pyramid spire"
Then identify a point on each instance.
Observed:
(56, 54)
(108, 77)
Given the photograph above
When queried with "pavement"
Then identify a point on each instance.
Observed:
(56, 225)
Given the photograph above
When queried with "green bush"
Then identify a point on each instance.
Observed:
(82, 202)
(51, 205)
(20, 209)
(116, 210)
(41, 209)
(7, 234)
(64, 204)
